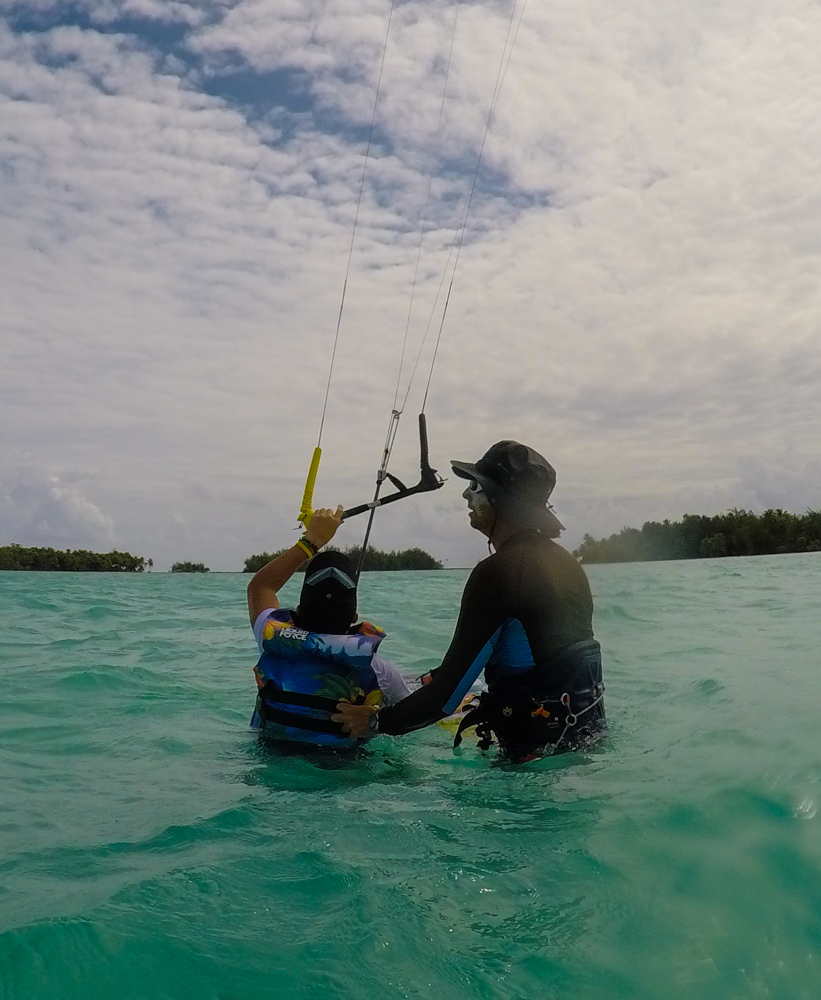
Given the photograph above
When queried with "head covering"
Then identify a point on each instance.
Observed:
(518, 481)
(327, 602)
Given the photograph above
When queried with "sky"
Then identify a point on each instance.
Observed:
(637, 293)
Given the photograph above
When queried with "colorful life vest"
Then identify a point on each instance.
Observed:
(302, 675)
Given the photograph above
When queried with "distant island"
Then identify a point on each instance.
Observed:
(695, 536)
(189, 567)
(16, 557)
(375, 559)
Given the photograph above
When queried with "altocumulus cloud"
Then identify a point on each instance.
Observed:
(104, 12)
(636, 295)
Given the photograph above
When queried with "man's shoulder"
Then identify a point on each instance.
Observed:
(489, 564)
(538, 555)
(487, 578)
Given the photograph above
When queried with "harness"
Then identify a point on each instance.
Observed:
(527, 712)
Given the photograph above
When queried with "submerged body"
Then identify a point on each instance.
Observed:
(315, 654)
(526, 620)
(301, 675)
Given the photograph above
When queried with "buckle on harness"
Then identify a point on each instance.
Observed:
(571, 719)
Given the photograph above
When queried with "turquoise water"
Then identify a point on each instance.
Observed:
(150, 847)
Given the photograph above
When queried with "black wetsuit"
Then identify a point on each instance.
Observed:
(526, 619)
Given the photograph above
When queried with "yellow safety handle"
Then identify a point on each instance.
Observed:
(306, 511)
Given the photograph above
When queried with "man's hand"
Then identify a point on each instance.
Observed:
(355, 719)
(323, 525)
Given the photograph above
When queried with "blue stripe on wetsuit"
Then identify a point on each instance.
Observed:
(471, 674)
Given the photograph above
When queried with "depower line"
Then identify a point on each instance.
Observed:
(453, 254)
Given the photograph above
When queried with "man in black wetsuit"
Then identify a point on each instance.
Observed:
(525, 619)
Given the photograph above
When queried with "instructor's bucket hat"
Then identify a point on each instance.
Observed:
(519, 481)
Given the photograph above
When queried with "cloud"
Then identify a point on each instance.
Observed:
(41, 510)
(794, 485)
(636, 295)
(101, 12)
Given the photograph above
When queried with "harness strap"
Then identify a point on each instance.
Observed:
(472, 718)
(476, 717)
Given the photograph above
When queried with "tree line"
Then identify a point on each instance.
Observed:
(69, 560)
(17, 557)
(375, 559)
(697, 536)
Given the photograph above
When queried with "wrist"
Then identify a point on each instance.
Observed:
(307, 546)
(373, 722)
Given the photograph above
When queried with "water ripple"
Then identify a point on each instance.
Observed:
(151, 846)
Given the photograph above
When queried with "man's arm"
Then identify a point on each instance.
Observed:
(480, 618)
(267, 582)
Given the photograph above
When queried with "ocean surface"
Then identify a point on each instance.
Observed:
(151, 847)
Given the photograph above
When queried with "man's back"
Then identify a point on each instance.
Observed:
(530, 579)
(541, 585)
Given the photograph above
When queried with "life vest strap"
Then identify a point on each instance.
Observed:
(269, 697)
(271, 694)
(297, 721)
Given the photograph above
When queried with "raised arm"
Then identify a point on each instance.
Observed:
(267, 582)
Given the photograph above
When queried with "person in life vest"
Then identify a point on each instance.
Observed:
(525, 619)
(316, 653)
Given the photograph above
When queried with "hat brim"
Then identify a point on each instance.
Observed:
(467, 470)
(530, 515)
(551, 522)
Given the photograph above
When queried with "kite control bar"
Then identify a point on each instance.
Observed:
(429, 480)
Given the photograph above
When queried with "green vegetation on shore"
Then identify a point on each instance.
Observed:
(69, 560)
(695, 536)
(189, 567)
(375, 559)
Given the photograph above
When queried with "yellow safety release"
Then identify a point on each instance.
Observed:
(306, 510)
